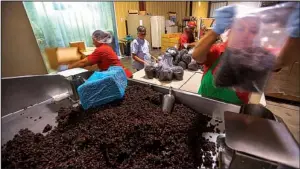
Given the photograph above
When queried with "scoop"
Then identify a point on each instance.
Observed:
(168, 102)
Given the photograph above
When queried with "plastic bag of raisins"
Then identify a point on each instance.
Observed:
(177, 72)
(194, 66)
(256, 38)
(173, 51)
(165, 72)
(149, 66)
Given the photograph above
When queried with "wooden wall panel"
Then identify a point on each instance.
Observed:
(200, 9)
(162, 8)
(121, 12)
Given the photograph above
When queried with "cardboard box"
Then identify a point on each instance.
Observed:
(52, 57)
(174, 40)
(164, 40)
(142, 13)
(67, 55)
(79, 44)
(172, 29)
(172, 16)
(133, 11)
(171, 35)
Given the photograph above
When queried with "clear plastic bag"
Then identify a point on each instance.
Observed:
(165, 73)
(149, 66)
(150, 72)
(182, 52)
(182, 64)
(176, 59)
(173, 51)
(148, 60)
(157, 68)
(187, 58)
(255, 39)
(167, 60)
(177, 72)
(194, 66)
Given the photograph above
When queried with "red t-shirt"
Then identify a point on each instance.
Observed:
(104, 57)
(184, 38)
(214, 53)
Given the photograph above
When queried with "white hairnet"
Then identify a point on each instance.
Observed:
(102, 37)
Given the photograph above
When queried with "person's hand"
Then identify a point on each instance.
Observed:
(293, 24)
(185, 45)
(223, 18)
(62, 68)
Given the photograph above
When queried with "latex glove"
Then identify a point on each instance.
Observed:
(293, 24)
(62, 68)
(223, 18)
(185, 45)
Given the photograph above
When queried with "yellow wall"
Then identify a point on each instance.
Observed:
(121, 11)
(155, 8)
(163, 7)
(200, 9)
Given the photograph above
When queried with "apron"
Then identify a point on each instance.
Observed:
(208, 88)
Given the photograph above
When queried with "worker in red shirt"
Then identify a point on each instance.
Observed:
(187, 39)
(208, 53)
(103, 56)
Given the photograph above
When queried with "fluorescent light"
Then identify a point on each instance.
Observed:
(276, 31)
(264, 39)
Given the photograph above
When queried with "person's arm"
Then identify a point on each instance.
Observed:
(136, 58)
(91, 59)
(203, 46)
(182, 40)
(81, 63)
(151, 54)
(154, 58)
(223, 19)
(192, 44)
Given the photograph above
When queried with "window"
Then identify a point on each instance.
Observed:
(214, 6)
(55, 24)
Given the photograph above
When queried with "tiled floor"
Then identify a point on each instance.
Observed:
(289, 114)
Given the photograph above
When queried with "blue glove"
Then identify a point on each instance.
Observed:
(223, 18)
(62, 68)
(293, 24)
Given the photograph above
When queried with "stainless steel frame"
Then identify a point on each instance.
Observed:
(29, 98)
(21, 92)
(261, 138)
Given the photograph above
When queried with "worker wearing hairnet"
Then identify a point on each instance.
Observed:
(208, 53)
(104, 56)
(187, 39)
(140, 49)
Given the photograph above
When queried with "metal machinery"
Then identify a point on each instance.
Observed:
(250, 142)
